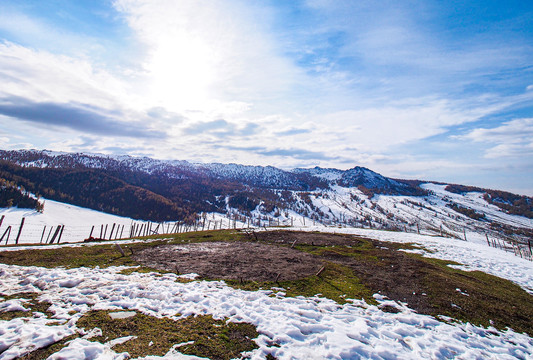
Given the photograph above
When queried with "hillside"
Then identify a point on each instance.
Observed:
(156, 190)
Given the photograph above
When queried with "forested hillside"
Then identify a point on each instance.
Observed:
(11, 194)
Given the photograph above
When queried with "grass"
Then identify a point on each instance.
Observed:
(106, 255)
(353, 271)
(32, 304)
(205, 336)
(336, 282)
(45, 352)
(478, 298)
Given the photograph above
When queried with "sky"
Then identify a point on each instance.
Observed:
(433, 90)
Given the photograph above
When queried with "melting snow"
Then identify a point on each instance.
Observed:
(302, 328)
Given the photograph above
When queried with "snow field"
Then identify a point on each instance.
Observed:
(301, 328)
(78, 222)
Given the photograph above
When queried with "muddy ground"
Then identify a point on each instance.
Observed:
(426, 286)
(255, 261)
(268, 254)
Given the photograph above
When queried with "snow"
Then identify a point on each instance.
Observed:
(78, 222)
(301, 327)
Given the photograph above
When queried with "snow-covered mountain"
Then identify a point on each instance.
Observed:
(355, 197)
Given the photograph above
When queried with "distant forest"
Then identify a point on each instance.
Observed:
(512, 203)
(136, 194)
(11, 194)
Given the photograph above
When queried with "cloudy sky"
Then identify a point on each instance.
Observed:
(437, 90)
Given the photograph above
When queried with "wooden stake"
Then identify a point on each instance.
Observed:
(49, 233)
(55, 234)
(8, 232)
(320, 271)
(117, 246)
(111, 233)
(294, 243)
(42, 235)
(61, 233)
(91, 234)
(277, 277)
(20, 230)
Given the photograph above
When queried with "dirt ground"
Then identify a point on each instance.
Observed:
(259, 260)
(232, 260)
(426, 286)
(394, 274)
(307, 238)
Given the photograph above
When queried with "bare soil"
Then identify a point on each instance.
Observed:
(426, 285)
(232, 260)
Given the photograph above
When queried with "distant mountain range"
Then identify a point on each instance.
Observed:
(160, 190)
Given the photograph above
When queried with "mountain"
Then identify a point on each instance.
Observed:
(161, 190)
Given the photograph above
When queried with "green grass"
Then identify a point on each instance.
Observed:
(490, 300)
(336, 282)
(214, 339)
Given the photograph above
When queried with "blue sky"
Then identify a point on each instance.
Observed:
(436, 90)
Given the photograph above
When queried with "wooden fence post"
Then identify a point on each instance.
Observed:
(55, 234)
(49, 233)
(91, 234)
(20, 230)
(8, 232)
(111, 233)
(2, 220)
(42, 235)
(60, 234)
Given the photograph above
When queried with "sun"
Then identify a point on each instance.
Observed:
(181, 70)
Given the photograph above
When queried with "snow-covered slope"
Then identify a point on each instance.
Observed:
(78, 222)
(356, 197)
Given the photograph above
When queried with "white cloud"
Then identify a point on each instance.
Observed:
(43, 76)
(202, 51)
(513, 139)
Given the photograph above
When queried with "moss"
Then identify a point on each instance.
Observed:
(215, 339)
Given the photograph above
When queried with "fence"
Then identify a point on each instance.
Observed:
(27, 233)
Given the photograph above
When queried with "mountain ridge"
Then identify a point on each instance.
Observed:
(163, 190)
